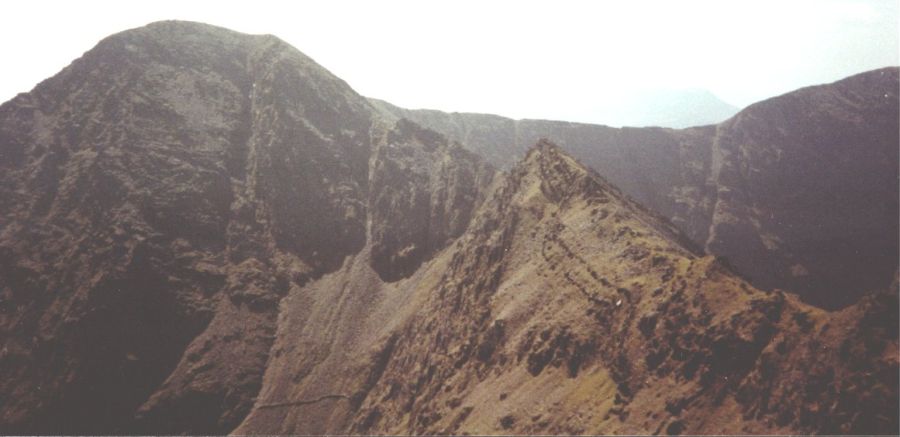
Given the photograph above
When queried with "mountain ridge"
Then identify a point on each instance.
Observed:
(489, 295)
(749, 212)
(257, 250)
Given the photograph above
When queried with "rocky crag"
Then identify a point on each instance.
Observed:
(783, 190)
(163, 193)
(206, 232)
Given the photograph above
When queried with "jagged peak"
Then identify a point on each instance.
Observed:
(561, 179)
(560, 176)
(544, 148)
(546, 155)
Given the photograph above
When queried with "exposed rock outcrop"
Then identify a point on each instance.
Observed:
(784, 189)
(205, 232)
(567, 308)
(161, 195)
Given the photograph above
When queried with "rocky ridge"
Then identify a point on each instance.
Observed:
(783, 190)
(259, 250)
(566, 308)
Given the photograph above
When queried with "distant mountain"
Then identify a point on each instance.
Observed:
(205, 232)
(785, 189)
(676, 108)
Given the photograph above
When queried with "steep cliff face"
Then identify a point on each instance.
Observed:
(423, 193)
(804, 180)
(205, 232)
(162, 194)
(567, 308)
(784, 190)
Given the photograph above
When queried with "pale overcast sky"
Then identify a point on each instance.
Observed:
(551, 59)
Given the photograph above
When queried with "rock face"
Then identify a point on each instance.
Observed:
(567, 308)
(163, 193)
(206, 232)
(784, 190)
(423, 192)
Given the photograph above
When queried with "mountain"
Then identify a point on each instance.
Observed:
(206, 232)
(566, 308)
(784, 190)
(675, 108)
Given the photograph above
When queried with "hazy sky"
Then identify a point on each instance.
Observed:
(551, 59)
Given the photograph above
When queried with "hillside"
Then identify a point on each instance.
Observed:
(568, 309)
(206, 232)
(784, 190)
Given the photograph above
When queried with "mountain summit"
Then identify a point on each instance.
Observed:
(785, 189)
(205, 232)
